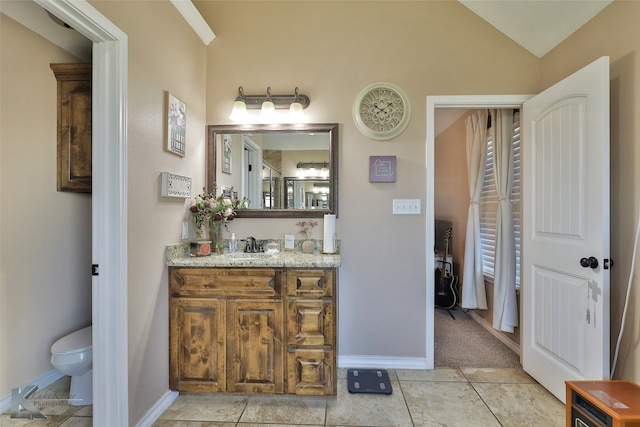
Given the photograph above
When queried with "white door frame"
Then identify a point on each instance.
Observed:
(252, 180)
(447, 101)
(109, 207)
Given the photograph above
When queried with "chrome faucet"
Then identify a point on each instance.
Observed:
(251, 245)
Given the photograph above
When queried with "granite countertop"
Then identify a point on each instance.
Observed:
(178, 256)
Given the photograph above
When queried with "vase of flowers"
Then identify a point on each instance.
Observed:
(215, 234)
(213, 212)
(306, 229)
(200, 216)
(201, 232)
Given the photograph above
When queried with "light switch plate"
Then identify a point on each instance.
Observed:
(185, 230)
(406, 206)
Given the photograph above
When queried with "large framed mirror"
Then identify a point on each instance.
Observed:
(284, 170)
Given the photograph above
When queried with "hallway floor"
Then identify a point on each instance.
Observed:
(479, 397)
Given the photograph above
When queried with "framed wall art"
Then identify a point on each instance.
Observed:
(227, 154)
(176, 125)
(382, 169)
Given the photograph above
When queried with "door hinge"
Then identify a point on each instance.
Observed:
(94, 270)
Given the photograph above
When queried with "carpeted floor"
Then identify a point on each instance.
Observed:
(464, 343)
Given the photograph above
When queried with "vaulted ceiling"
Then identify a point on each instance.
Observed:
(536, 25)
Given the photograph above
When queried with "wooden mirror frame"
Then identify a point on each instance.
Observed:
(330, 128)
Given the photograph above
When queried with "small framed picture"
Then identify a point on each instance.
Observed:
(176, 129)
(382, 169)
(227, 154)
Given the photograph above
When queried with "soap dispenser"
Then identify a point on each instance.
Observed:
(233, 244)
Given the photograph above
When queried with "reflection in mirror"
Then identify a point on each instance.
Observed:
(306, 193)
(283, 170)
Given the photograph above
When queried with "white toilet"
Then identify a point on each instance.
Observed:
(72, 355)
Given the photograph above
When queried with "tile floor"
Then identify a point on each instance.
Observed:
(478, 397)
(52, 401)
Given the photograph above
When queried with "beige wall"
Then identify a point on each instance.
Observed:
(615, 33)
(331, 50)
(451, 188)
(164, 54)
(45, 235)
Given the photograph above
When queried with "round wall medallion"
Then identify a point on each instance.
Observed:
(381, 111)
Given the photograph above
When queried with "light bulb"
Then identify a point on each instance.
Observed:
(295, 111)
(268, 111)
(239, 112)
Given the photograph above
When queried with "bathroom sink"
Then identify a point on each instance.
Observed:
(246, 255)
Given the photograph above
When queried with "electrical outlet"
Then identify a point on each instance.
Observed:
(185, 230)
(406, 206)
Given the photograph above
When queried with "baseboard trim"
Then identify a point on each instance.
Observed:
(44, 380)
(158, 409)
(343, 362)
(354, 361)
(489, 327)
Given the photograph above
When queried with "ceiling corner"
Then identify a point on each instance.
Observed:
(538, 26)
(193, 17)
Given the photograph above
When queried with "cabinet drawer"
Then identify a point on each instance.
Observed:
(311, 372)
(310, 283)
(231, 282)
(310, 323)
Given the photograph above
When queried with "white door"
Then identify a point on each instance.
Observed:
(565, 152)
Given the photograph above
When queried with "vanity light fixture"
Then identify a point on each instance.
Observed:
(312, 165)
(268, 109)
(268, 104)
(313, 170)
(239, 111)
(295, 109)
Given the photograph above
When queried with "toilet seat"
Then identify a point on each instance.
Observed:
(75, 342)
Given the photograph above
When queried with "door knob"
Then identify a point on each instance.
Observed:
(591, 262)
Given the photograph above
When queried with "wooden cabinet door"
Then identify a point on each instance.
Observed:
(311, 372)
(255, 346)
(74, 126)
(197, 345)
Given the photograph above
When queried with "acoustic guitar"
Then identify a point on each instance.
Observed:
(446, 283)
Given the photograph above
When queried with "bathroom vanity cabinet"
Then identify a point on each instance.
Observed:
(253, 330)
(74, 127)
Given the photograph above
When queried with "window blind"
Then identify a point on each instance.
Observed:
(489, 205)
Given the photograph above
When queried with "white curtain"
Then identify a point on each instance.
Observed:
(473, 290)
(505, 311)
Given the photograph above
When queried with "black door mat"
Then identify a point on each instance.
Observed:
(374, 381)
